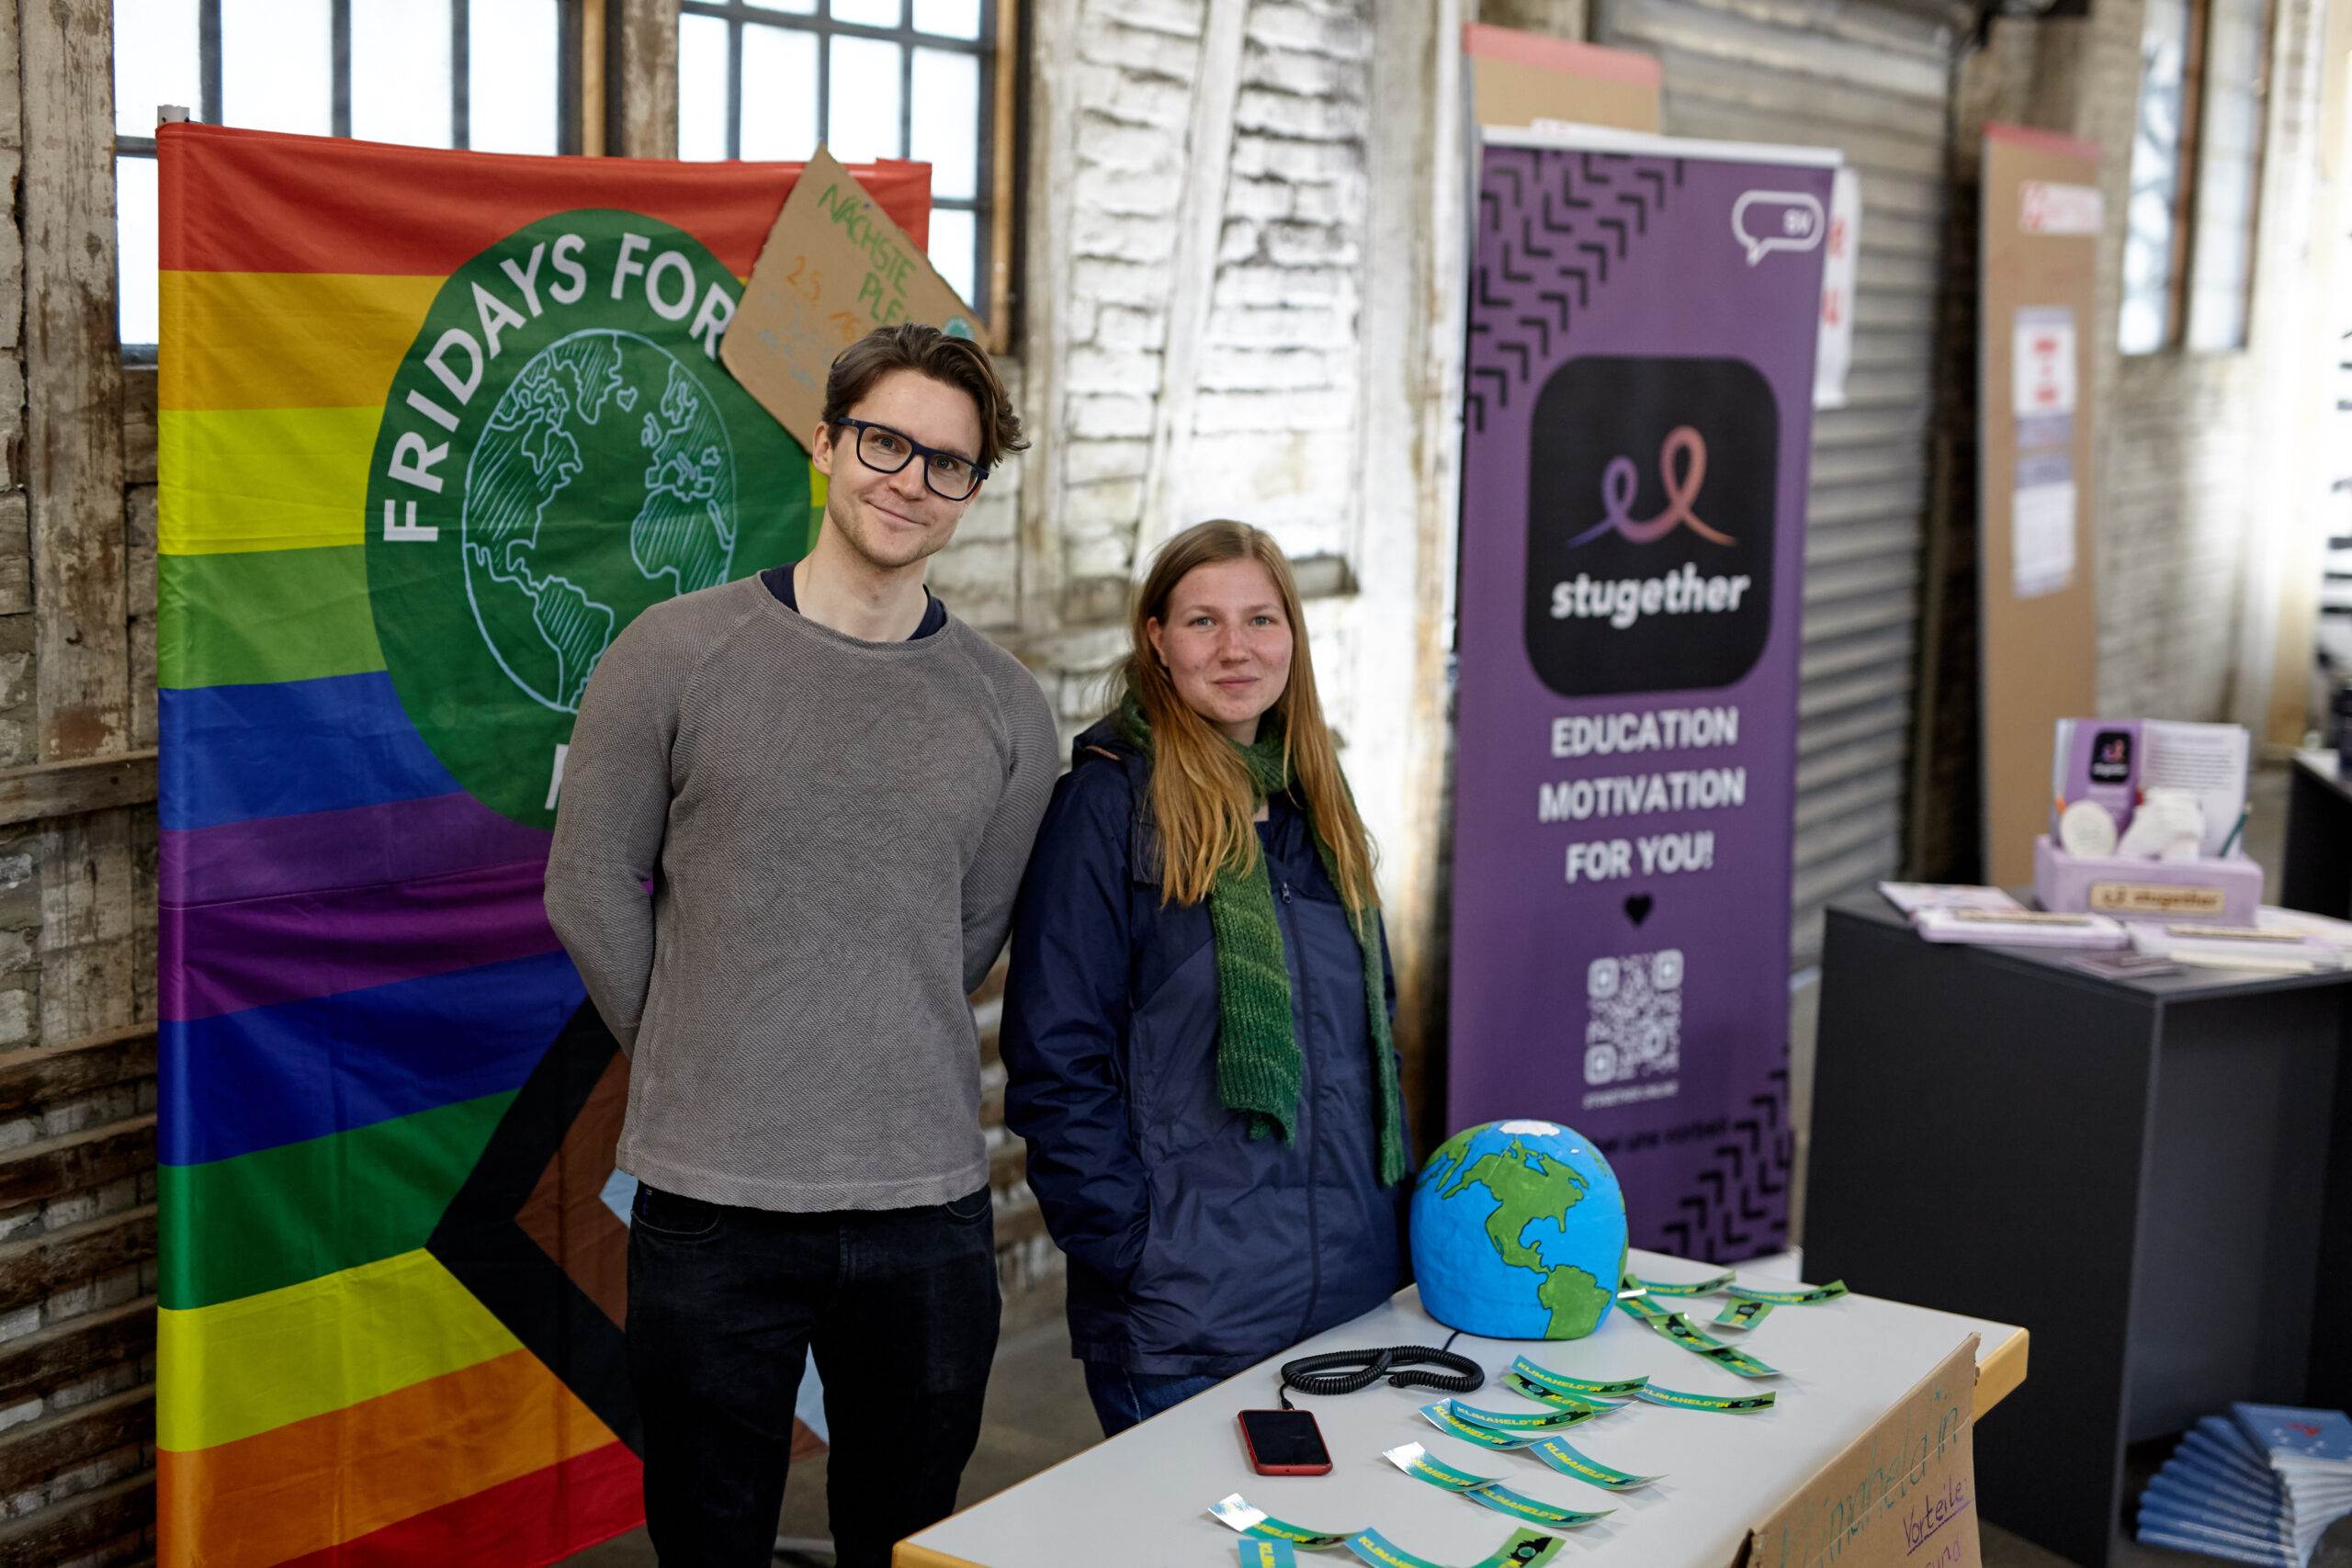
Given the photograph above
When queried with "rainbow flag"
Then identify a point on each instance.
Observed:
(435, 427)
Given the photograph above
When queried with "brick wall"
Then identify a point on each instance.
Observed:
(1270, 430)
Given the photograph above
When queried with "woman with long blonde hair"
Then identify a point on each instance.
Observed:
(1196, 1023)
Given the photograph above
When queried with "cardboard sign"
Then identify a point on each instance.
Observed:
(2037, 413)
(1902, 1495)
(835, 267)
(1518, 78)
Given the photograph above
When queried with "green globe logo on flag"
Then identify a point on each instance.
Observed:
(559, 451)
(548, 602)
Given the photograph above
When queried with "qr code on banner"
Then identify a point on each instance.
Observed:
(1634, 1024)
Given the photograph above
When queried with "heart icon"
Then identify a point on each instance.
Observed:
(1637, 908)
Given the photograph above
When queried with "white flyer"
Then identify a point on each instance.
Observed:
(2042, 529)
(2206, 760)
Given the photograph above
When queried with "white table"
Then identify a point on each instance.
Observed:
(1141, 1498)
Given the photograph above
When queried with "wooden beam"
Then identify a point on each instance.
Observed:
(593, 58)
(71, 1067)
(35, 1269)
(1200, 228)
(74, 379)
(67, 789)
(77, 1162)
(647, 31)
(69, 1351)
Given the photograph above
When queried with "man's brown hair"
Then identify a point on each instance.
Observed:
(957, 361)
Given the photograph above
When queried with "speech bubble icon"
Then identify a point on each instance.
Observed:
(1781, 220)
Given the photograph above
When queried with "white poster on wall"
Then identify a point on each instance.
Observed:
(2042, 389)
(1840, 266)
(2041, 364)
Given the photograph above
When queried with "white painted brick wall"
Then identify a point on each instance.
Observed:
(1276, 399)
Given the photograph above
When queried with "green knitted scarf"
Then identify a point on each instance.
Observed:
(1258, 1068)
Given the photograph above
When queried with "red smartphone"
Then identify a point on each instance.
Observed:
(1284, 1442)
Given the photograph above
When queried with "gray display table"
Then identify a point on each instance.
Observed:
(2145, 1173)
(2317, 872)
(1141, 1498)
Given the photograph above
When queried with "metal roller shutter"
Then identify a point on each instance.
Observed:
(1875, 82)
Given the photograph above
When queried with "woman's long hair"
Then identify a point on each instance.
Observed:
(1201, 797)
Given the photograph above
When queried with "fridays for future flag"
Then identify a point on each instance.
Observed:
(435, 426)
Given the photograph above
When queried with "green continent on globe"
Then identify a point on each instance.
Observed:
(1527, 1188)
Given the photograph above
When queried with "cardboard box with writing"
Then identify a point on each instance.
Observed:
(1902, 1495)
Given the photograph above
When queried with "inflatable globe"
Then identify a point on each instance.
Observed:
(1519, 1232)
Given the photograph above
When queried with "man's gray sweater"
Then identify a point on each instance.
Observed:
(834, 832)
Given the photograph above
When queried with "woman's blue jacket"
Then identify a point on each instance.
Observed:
(1194, 1249)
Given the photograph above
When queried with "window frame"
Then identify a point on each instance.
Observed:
(994, 190)
(2189, 187)
(580, 65)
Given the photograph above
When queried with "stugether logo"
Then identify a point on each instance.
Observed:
(1640, 578)
(561, 450)
(2111, 757)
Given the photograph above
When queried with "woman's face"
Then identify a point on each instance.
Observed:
(1225, 644)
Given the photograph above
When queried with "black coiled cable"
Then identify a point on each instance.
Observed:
(1322, 1375)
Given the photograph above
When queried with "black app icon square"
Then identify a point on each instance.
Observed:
(1651, 492)
(2111, 757)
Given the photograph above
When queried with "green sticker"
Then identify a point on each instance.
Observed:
(1676, 1400)
(1441, 1416)
(1644, 1308)
(1421, 1465)
(1576, 1386)
(1530, 1421)
(1525, 1548)
(1803, 1296)
(1743, 1314)
(1587, 1403)
(1381, 1552)
(1503, 1500)
(1684, 1333)
(1256, 1552)
(1555, 1452)
(1236, 1514)
(1706, 1287)
(1732, 1358)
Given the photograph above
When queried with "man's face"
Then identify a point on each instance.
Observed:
(896, 520)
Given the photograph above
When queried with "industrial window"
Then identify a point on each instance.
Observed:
(924, 79)
(2196, 172)
(490, 74)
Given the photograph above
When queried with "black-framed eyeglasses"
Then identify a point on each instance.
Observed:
(886, 451)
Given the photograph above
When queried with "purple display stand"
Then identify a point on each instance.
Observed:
(1638, 425)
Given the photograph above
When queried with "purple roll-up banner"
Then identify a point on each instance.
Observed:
(1636, 425)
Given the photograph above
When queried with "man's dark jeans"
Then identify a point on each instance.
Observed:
(901, 1307)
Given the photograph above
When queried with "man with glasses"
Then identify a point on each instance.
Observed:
(829, 785)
